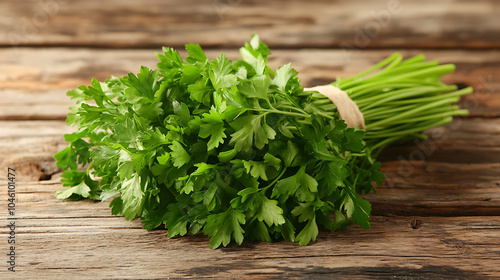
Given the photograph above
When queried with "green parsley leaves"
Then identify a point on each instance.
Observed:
(229, 148)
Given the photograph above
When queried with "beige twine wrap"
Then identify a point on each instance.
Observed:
(348, 110)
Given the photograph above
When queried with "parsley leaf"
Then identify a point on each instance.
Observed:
(270, 212)
(178, 154)
(225, 226)
(212, 126)
(132, 196)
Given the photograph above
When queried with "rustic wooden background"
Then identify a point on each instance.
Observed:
(437, 216)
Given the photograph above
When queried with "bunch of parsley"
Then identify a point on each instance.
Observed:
(230, 148)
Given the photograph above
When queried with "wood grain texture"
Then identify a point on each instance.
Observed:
(33, 82)
(221, 23)
(29, 147)
(80, 240)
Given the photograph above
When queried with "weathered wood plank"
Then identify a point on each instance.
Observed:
(77, 240)
(319, 23)
(33, 82)
(466, 141)
(438, 189)
(455, 173)
(29, 147)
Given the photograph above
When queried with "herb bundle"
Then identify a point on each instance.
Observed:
(237, 150)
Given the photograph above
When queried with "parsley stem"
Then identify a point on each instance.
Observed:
(325, 115)
(377, 66)
(275, 111)
(410, 112)
(399, 98)
(275, 179)
(293, 108)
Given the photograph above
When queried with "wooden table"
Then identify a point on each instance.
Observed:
(437, 215)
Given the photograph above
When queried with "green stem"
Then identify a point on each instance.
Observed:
(416, 129)
(275, 179)
(281, 112)
(400, 98)
(434, 116)
(401, 94)
(349, 81)
(410, 112)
